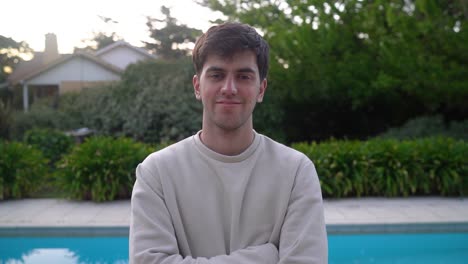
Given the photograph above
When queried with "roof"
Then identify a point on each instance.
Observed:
(26, 67)
(35, 68)
(26, 70)
(122, 43)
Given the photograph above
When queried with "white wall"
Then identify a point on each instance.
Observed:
(76, 69)
(122, 56)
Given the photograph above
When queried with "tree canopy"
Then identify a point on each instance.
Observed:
(171, 42)
(11, 53)
(101, 39)
(353, 68)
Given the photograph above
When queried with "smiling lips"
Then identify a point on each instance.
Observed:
(228, 102)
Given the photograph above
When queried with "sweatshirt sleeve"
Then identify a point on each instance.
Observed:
(303, 236)
(152, 237)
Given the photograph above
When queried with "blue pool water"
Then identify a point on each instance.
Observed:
(399, 249)
(349, 249)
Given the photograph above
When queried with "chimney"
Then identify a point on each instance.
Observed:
(51, 48)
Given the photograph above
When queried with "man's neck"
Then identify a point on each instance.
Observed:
(229, 143)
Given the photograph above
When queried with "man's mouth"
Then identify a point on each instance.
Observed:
(228, 102)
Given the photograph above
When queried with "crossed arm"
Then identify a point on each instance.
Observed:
(153, 240)
(303, 236)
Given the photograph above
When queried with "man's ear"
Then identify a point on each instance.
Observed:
(261, 91)
(196, 86)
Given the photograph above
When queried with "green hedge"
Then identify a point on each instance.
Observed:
(40, 115)
(429, 126)
(101, 169)
(388, 167)
(153, 103)
(53, 144)
(6, 119)
(22, 169)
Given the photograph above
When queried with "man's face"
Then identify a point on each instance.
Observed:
(229, 88)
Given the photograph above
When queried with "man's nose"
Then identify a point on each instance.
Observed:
(229, 87)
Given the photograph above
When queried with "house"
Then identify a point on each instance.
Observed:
(51, 74)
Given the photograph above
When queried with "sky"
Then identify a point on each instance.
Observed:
(72, 20)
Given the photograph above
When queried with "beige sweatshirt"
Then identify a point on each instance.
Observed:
(193, 205)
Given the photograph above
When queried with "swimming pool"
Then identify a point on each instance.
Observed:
(450, 248)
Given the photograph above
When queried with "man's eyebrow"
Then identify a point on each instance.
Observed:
(242, 70)
(214, 68)
(247, 69)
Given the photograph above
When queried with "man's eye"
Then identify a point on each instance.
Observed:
(215, 76)
(244, 77)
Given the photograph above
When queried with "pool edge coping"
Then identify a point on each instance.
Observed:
(364, 228)
(38, 231)
(385, 228)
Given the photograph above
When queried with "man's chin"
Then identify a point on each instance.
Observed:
(230, 125)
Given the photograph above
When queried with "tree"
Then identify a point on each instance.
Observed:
(11, 53)
(164, 107)
(172, 41)
(349, 68)
(100, 39)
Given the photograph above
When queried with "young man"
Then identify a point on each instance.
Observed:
(228, 194)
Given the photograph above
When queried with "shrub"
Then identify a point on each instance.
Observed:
(153, 103)
(164, 107)
(388, 167)
(76, 110)
(52, 143)
(22, 168)
(95, 108)
(5, 119)
(428, 126)
(40, 115)
(458, 129)
(101, 169)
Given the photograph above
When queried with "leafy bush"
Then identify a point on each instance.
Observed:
(388, 167)
(40, 115)
(164, 106)
(5, 120)
(52, 143)
(458, 129)
(101, 169)
(428, 126)
(96, 108)
(154, 102)
(22, 168)
(76, 110)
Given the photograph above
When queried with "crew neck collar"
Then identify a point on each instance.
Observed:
(226, 158)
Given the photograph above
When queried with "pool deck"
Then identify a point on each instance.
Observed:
(357, 215)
